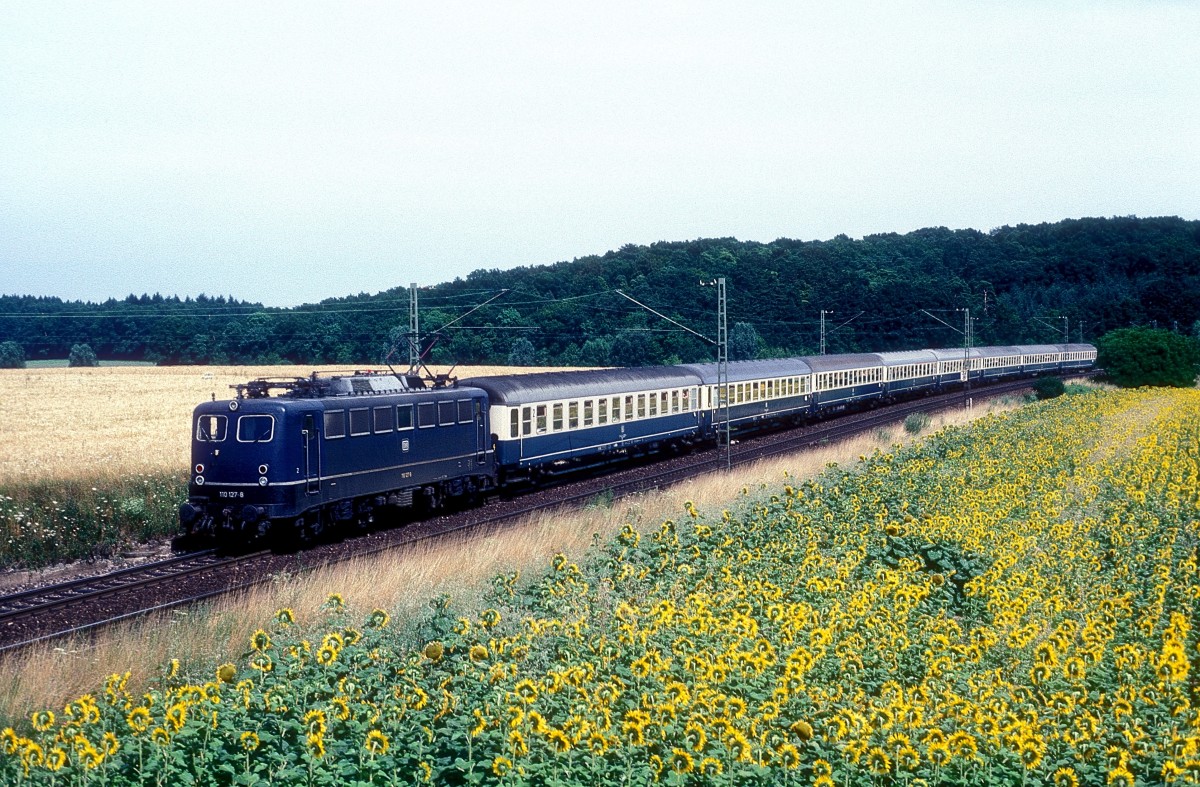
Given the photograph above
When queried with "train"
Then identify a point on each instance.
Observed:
(291, 458)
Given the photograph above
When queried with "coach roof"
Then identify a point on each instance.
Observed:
(513, 389)
(740, 371)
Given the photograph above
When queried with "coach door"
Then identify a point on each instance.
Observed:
(481, 433)
(312, 454)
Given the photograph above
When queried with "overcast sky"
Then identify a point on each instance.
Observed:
(288, 152)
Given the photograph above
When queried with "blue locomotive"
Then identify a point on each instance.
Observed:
(294, 457)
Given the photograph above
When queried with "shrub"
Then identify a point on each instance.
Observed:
(1134, 357)
(1048, 387)
(12, 355)
(916, 422)
(82, 355)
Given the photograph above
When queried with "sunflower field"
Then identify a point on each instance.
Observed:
(1008, 603)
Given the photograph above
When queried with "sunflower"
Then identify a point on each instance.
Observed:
(138, 720)
(478, 653)
(335, 602)
(693, 733)
(314, 722)
(681, 761)
(341, 708)
(379, 619)
(56, 759)
(1121, 776)
(597, 743)
(711, 766)
(177, 716)
(316, 746)
(526, 691)
(559, 741)
(501, 766)
(161, 737)
(802, 730)
(111, 744)
(789, 756)
(434, 651)
(261, 662)
(489, 618)
(43, 720)
(1065, 777)
(249, 741)
(516, 742)
(907, 758)
(376, 743)
(285, 617)
(326, 655)
(878, 762)
(226, 673)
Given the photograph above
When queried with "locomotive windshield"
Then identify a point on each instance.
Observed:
(255, 428)
(211, 428)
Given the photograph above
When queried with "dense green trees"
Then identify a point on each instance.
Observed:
(1102, 274)
(1144, 356)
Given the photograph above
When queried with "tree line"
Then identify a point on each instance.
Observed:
(1022, 284)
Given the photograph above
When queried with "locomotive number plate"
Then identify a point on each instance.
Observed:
(233, 493)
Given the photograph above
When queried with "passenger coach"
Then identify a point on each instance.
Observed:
(548, 421)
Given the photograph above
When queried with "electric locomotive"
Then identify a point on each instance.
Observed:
(332, 450)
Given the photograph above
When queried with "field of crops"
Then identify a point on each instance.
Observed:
(1010, 603)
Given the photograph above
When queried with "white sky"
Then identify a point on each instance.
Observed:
(286, 152)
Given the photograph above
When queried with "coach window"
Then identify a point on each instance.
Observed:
(514, 423)
(674, 401)
(255, 428)
(602, 412)
(573, 415)
(526, 420)
(588, 412)
(641, 406)
(335, 424)
(541, 419)
(426, 415)
(211, 428)
(558, 418)
(653, 405)
(628, 408)
(383, 419)
(404, 416)
(465, 411)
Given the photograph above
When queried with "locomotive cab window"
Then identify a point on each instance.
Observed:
(335, 424)
(465, 411)
(255, 428)
(426, 414)
(404, 416)
(212, 428)
(446, 413)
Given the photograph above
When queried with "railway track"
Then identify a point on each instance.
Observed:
(88, 604)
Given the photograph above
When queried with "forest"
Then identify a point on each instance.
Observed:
(1022, 284)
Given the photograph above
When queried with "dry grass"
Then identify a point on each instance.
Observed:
(108, 422)
(402, 582)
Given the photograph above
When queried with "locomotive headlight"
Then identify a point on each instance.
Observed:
(199, 480)
(262, 469)
(199, 469)
(262, 481)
